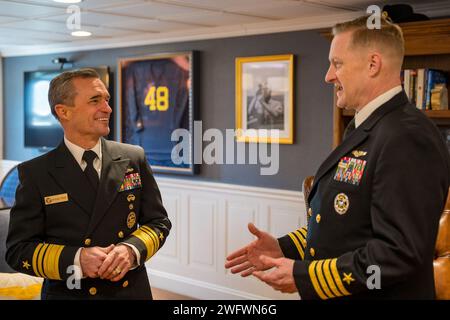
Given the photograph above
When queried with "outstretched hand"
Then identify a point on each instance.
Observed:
(247, 259)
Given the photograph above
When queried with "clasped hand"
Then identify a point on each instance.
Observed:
(111, 263)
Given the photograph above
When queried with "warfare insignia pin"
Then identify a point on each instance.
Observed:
(130, 170)
(341, 203)
(131, 220)
(358, 153)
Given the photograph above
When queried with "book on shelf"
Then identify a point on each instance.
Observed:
(426, 88)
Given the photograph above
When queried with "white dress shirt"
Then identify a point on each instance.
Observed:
(373, 105)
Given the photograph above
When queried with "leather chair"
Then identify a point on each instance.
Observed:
(442, 255)
(8, 188)
(441, 263)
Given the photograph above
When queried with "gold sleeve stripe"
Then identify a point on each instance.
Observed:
(155, 245)
(304, 231)
(312, 275)
(147, 240)
(322, 281)
(46, 260)
(302, 242)
(156, 237)
(51, 261)
(297, 244)
(337, 278)
(35, 260)
(300, 237)
(331, 283)
(152, 236)
(40, 260)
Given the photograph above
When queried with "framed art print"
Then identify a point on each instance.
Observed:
(264, 99)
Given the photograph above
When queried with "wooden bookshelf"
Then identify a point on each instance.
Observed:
(427, 45)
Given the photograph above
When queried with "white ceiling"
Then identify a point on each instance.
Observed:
(39, 26)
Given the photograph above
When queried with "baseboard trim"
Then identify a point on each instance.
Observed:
(196, 289)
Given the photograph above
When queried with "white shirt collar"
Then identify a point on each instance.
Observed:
(373, 105)
(78, 151)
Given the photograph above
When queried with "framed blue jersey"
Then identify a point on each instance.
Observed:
(157, 110)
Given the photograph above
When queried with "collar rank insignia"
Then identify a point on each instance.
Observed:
(350, 170)
(130, 182)
(358, 153)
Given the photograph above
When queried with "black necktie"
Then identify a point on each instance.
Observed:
(350, 127)
(90, 171)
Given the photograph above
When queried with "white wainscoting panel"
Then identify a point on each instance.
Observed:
(209, 222)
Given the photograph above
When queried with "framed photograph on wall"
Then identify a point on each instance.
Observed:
(264, 99)
(157, 108)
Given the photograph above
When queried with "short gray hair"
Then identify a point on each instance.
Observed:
(61, 89)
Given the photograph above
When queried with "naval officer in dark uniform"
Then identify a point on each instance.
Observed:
(377, 198)
(88, 214)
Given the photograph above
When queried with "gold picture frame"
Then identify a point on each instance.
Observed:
(265, 99)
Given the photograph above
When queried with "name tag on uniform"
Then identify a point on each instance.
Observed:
(350, 170)
(57, 198)
(130, 182)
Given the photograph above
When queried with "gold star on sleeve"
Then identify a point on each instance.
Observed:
(25, 264)
(348, 278)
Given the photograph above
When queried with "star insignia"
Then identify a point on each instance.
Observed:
(25, 264)
(348, 278)
(161, 236)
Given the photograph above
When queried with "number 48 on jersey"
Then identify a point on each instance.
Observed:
(157, 98)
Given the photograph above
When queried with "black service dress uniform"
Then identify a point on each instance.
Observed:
(56, 212)
(375, 208)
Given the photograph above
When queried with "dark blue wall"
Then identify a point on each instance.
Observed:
(313, 99)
